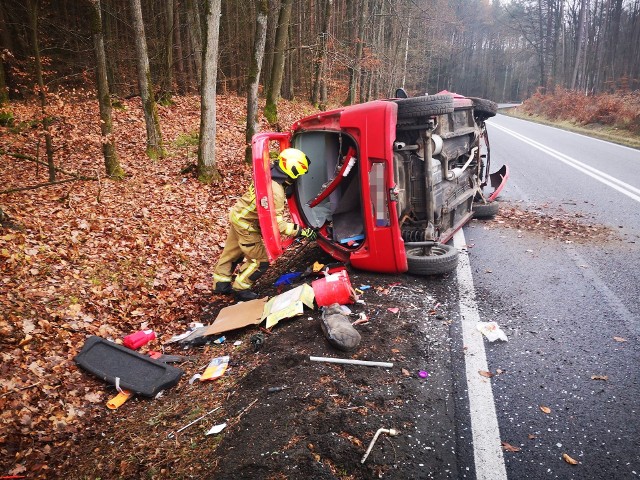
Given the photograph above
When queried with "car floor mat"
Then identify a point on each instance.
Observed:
(138, 373)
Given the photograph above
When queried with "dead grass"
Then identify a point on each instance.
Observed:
(614, 117)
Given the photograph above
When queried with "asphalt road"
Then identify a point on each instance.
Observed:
(561, 305)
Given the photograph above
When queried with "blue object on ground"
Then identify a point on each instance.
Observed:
(287, 279)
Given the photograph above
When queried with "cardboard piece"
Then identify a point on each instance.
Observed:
(288, 304)
(232, 317)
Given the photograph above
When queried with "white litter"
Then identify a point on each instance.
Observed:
(492, 331)
(216, 429)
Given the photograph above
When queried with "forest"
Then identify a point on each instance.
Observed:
(503, 50)
(124, 127)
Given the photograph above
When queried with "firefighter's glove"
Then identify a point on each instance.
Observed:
(308, 233)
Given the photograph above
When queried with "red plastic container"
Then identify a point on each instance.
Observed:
(138, 339)
(333, 288)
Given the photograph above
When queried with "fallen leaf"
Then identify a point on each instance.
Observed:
(18, 469)
(510, 448)
(93, 397)
(499, 371)
(485, 373)
(531, 436)
(546, 410)
(405, 372)
(569, 460)
(394, 309)
(619, 339)
(600, 377)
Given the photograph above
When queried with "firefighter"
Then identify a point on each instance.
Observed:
(244, 240)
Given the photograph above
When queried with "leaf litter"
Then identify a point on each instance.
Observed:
(107, 258)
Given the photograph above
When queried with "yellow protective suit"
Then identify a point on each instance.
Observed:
(244, 240)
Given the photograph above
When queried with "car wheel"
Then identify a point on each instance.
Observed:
(426, 106)
(483, 109)
(485, 210)
(443, 259)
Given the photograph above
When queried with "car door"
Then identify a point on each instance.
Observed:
(264, 194)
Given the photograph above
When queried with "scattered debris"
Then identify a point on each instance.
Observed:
(229, 318)
(619, 339)
(334, 288)
(338, 329)
(391, 431)
(362, 319)
(393, 309)
(216, 368)
(510, 448)
(173, 434)
(257, 340)
(569, 460)
(192, 327)
(544, 409)
(220, 341)
(423, 374)
(600, 377)
(485, 373)
(288, 304)
(349, 361)
(276, 389)
(561, 225)
(216, 429)
(124, 367)
(138, 339)
(492, 331)
(287, 279)
(119, 399)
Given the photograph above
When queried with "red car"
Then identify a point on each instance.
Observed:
(367, 191)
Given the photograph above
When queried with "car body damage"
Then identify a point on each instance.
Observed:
(390, 181)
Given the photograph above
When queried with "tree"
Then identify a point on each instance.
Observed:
(253, 79)
(4, 93)
(320, 66)
(354, 69)
(273, 90)
(112, 165)
(46, 120)
(155, 148)
(195, 35)
(207, 170)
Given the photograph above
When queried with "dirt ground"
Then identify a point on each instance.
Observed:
(321, 425)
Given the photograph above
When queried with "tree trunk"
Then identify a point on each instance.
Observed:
(167, 50)
(195, 35)
(579, 42)
(4, 93)
(177, 34)
(273, 92)
(155, 148)
(253, 79)
(354, 70)
(111, 163)
(46, 120)
(207, 170)
(320, 66)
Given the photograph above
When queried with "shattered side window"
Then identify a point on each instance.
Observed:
(377, 186)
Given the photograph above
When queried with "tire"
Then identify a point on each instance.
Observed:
(485, 210)
(443, 259)
(426, 106)
(483, 109)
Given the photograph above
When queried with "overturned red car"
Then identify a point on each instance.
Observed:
(390, 181)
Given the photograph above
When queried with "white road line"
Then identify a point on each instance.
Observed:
(487, 449)
(622, 187)
(608, 142)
